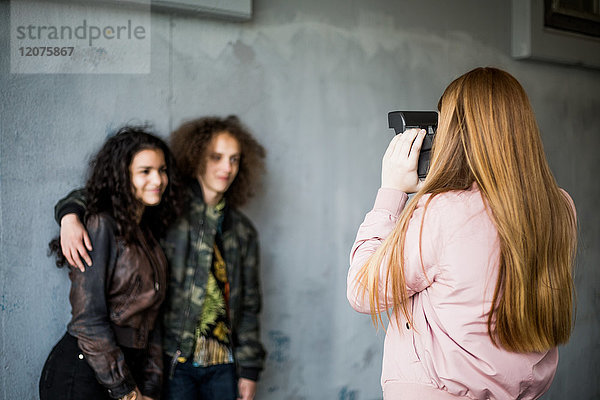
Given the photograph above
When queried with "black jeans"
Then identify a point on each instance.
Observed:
(67, 375)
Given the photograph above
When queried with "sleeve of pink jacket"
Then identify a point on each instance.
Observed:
(376, 227)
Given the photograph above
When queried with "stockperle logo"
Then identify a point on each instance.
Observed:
(79, 37)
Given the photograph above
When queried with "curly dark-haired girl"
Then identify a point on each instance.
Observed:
(111, 348)
(109, 187)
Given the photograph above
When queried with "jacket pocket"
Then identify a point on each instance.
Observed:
(128, 298)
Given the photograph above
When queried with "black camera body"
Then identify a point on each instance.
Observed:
(428, 120)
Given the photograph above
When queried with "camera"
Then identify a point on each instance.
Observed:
(403, 120)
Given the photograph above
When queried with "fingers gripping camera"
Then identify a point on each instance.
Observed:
(403, 120)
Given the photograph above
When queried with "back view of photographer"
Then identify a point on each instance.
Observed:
(475, 272)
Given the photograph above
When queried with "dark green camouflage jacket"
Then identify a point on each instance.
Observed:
(189, 249)
(188, 246)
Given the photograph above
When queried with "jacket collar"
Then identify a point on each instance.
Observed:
(198, 197)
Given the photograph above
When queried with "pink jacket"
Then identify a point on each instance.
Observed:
(448, 351)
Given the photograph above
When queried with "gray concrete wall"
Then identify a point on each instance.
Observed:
(314, 80)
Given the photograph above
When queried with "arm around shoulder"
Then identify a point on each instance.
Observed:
(74, 239)
(74, 203)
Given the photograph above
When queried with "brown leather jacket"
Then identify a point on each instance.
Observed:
(115, 303)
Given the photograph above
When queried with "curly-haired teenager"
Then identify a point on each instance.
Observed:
(112, 348)
(475, 272)
(211, 312)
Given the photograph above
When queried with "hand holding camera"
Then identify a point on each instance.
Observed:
(406, 161)
(400, 121)
(400, 161)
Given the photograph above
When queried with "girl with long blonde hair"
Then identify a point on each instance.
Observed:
(475, 272)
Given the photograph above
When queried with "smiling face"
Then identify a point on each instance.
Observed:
(149, 176)
(222, 165)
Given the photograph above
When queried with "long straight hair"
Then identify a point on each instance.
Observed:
(487, 134)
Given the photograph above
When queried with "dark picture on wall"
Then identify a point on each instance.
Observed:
(578, 16)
